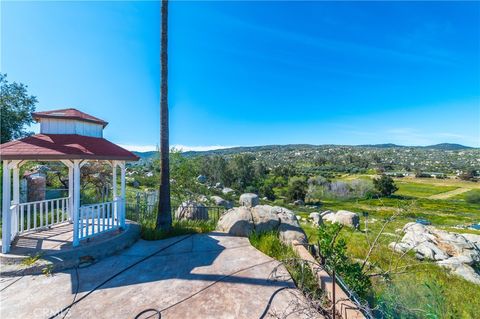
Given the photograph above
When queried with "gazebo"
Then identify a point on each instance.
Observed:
(73, 138)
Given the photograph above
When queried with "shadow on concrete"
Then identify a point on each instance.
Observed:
(175, 260)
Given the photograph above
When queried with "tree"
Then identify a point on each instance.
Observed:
(164, 215)
(297, 188)
(385, 185)
(241, 166)
(469, 175)
(16, 106)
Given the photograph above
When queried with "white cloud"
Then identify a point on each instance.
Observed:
(183, 148)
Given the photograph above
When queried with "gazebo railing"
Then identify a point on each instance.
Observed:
(99, 218)
(39, 214)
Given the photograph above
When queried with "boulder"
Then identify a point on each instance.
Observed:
(202, 179)
(219, 185)
(242, 221)
(457, 252)
(202, 198)
(227, 190)
(347, 218)
(191, 210)
(458, 267)
(249, 200)
(325, 213)
(237, 222)
(316, 219)
(343, 217)
(221, 202)
(299, 202)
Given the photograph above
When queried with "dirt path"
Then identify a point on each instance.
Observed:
(450, 193)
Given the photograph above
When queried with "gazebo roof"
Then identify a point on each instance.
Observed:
(70, 114)
(64, 146)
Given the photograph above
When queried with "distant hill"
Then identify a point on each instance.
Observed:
(448, 147)
(388, 145)
(145, 156)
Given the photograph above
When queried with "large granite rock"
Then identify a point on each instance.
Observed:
(457, 252)
(227, 190)
(249, 200)
(242, 221)
(316, 218)
(343, 217)
(221, 202)
(191, 210)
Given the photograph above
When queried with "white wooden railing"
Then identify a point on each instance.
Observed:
(38, 215)
(98, 218)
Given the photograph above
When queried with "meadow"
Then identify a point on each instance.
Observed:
(426, 290)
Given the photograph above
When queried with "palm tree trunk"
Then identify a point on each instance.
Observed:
(164, 215)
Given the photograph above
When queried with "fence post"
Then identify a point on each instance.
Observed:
(333, 297)
(137, 206)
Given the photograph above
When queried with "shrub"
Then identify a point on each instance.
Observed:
(473, 197)
(182, 227)
(297, 188)
(385, 185)
(334, 253)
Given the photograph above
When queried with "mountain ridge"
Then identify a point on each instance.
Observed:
(232, 150)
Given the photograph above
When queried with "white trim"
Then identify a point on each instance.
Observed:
(6, 215)
(76, 201)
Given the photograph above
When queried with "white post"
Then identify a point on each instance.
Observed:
(70, 193)
(122, 194)
(114, 190)
(76, 201)
(16, 200)
(6, 217)
(69, 164)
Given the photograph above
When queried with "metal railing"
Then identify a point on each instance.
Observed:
(147, 211)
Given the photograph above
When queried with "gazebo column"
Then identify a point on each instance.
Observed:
(122, 194)
(76, 201)
(114, 190)
(6, 216)
(16, 198)
(70, 209)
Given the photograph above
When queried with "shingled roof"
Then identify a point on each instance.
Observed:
(64, 146)
(71, 114)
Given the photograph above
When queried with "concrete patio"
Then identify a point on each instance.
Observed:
(198, 276)
(55, 246)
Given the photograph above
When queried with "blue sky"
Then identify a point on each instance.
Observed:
(255, 73)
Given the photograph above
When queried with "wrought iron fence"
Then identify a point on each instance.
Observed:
(144, 208)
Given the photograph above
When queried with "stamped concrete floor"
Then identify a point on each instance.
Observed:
(199, 276)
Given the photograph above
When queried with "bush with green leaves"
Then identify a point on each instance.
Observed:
(473, 197)
(385, 185)
(297, 188)
(334, 253)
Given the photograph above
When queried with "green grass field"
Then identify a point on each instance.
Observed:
(428, 286)
(421, 190)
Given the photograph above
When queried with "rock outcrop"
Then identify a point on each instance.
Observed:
(191, 210)
(221, 202)
(316, 218)
(249, 200)
(242, 221)
(458, 252)
(343, 217)
(227, 190)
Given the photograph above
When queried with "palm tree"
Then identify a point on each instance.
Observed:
(164, 215)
